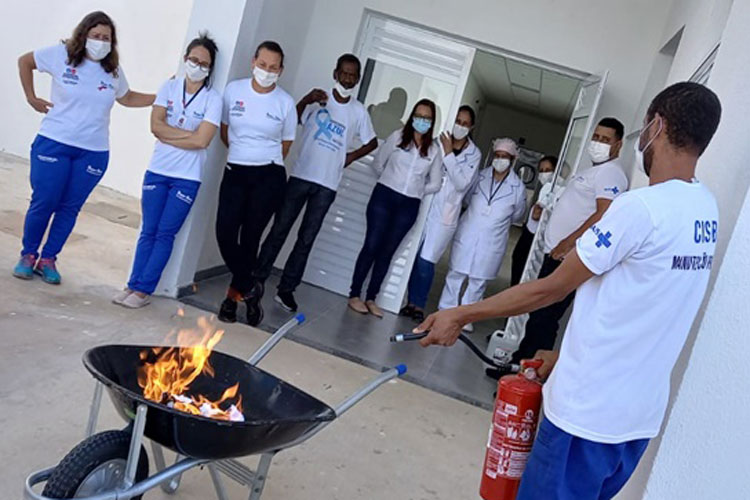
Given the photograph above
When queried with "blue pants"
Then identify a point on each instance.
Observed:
(390, 215)
(420, 281)
(565, 467)
(165, 203)
(62, 177)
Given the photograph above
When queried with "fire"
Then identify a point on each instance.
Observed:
(167, 379)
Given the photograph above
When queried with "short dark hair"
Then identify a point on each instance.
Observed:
(76, 44)
(692, 113)
(349, 58)
(205, 41)
(615, 125)
(273, 47)
(471, 112)
(550, 158)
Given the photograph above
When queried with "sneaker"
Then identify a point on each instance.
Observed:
(121, 296)
(135, 301)
(254, 310)
(228, 311)
(25, 267)
(356, 304)
(48, 271)
(286, 300)
(373, 308)
(407, 310)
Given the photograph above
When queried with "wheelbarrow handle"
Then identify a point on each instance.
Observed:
(275, 338)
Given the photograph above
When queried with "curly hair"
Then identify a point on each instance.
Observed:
(691, 112)
(76, 44)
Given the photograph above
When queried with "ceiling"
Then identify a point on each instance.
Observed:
(525, 87)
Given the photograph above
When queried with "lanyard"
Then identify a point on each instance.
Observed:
(184, 105)
(492, 185)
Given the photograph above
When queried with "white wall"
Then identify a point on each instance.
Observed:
(151, 38)
(542, 135)
(474, 97)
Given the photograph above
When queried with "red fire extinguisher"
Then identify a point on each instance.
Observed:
(514, 421)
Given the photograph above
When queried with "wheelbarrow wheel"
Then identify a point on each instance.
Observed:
(96, 465)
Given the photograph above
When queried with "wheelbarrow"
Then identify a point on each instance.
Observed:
(113, 465)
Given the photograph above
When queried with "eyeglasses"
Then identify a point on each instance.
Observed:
(196, 61)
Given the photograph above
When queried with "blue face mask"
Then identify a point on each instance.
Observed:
(421, 125)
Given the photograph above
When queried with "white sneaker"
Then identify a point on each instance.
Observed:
(468, 328)
(121, 296)
(133, 301)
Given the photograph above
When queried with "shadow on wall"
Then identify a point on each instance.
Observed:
(386, 116)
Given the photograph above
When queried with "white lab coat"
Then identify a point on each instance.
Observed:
(459, 174)
(482, 235)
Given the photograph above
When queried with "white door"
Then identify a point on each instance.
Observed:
(401, 64)
(580, 129)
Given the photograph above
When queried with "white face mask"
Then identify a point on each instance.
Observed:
(97, 50)
(639, 154)
(194, 72)
(343, 91)
(500, 165)
(459, 131)
(545, 177)
(599, 151)
(264, 78)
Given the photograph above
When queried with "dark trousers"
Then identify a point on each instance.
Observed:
(390, 215)
(520, 254)
(542, 326)
(298, 193)
(420, 281)
(248, 198)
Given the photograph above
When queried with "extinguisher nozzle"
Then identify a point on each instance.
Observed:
(404, 337)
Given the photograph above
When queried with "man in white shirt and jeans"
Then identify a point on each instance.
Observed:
(331, 121)
(641, 273)
(585, 199)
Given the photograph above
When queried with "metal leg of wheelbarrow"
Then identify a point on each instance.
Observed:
(96, 403)
(169, 487)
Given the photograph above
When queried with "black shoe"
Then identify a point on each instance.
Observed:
(286, 300)
(228, 311)
(252, 301)
(407, 310)
(417, 316)
(496, 373)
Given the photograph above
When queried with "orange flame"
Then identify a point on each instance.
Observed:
(168, 378)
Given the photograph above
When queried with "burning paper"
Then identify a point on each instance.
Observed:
(167, 379)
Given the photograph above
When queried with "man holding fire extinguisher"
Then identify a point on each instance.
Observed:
(640, 275)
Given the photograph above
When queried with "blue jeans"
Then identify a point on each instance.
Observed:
(165, 203)
(62, 177)
(390, 215)
(565, 467)
(420, 281)
(299, 193)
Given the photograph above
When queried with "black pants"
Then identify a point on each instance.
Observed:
(542, 326)
(390, 215)
(248, 198)
(520, 255)
(298, 193)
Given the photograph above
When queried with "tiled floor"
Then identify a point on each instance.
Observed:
(332, 327)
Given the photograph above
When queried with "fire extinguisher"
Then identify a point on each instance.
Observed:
(514, 421)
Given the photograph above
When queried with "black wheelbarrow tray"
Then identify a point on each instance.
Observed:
(113, 465)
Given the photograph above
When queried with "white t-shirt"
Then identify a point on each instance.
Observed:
(578, 202)
(328, 133)
(205, 106)
(257, 123)
(406, 171)
(652, 254)
(82, 96)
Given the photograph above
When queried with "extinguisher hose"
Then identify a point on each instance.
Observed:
(404, 337)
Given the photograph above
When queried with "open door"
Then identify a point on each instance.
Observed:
(401, 64)
(580, 128)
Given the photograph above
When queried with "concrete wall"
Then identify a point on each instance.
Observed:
(542, 134)
(151, 36)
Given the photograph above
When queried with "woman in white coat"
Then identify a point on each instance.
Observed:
(497, 200)
(461, 158)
